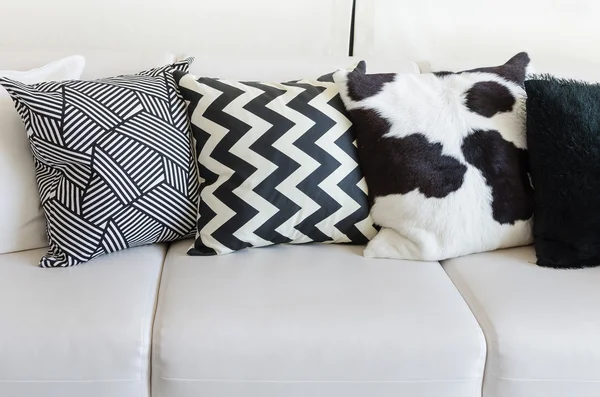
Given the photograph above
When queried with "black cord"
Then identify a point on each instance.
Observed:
(352, 21)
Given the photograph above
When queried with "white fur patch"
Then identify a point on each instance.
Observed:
(461, 222)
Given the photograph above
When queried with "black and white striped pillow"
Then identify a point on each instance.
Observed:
(277, 162)
(113, 161)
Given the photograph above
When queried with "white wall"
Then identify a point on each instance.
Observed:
(561, 36)
(217, 27)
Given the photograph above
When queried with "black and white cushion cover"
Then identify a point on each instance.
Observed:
(444, 156)
(277, 162)
(113, 160)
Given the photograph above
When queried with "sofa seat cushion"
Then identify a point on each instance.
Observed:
(542, 325)
(311, 320)
(81, 331)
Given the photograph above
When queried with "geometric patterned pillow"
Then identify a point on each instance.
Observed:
(113, 161)
(277, 164)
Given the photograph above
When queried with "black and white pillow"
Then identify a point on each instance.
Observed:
(444, 156)
(277, 164)
(113, 160)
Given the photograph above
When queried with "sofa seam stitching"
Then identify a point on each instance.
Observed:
(153, 321)
(493, 337)
(319, 381)
(69, 381)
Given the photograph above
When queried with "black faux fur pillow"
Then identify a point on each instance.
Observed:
(563, 128)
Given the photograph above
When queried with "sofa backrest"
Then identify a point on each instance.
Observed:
(235, 39)
(561, 36)
(217, 27)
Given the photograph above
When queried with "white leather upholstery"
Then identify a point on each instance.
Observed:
(98, 63)
(217, 27)
(277, 69)
(105, 63)
(561, 36)
(82, 331)
(542, 325)
(312, 320)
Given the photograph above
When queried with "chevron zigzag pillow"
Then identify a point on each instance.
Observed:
(113, 161)
(277, 162)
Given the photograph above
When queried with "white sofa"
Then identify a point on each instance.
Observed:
(316, 320)
(289, 321)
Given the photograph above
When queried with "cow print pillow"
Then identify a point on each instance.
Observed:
(445, 159)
